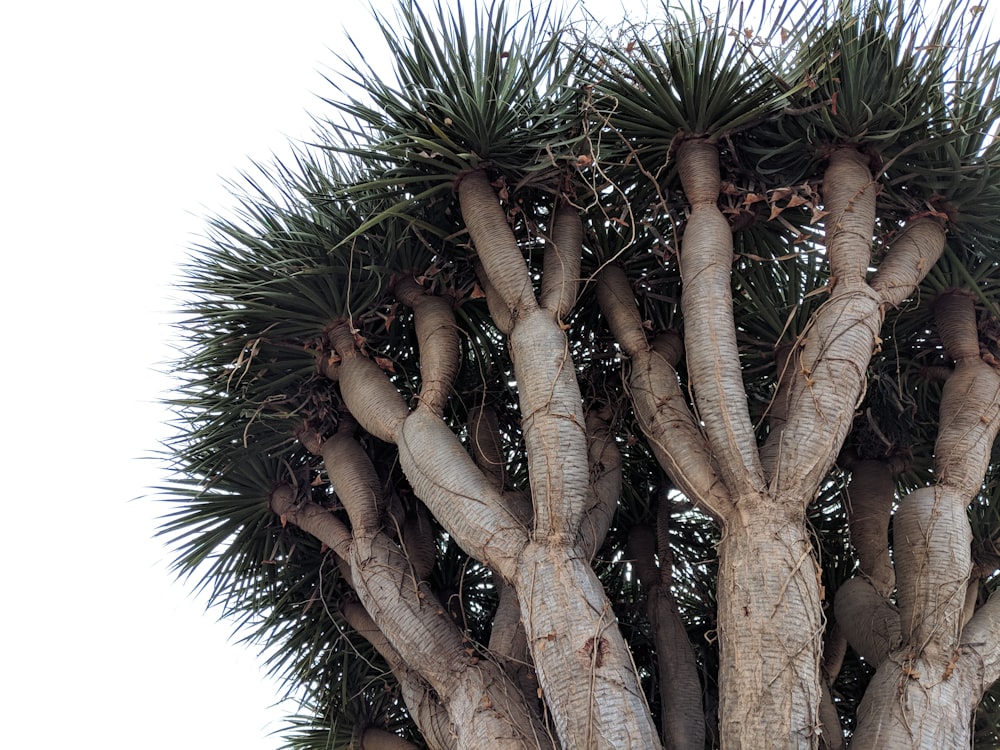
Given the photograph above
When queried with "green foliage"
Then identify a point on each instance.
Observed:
(554, 110)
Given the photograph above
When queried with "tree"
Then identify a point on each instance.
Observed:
(610, 392)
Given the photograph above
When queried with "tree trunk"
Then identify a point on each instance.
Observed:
(770, 629)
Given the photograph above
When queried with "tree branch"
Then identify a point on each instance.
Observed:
(713, 359)
(561, 267)
(660, 406)
(437, 338)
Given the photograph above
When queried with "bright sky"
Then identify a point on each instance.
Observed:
(120, 123)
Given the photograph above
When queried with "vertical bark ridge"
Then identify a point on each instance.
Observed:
(970, 402)
(484, 437)
(829, 364)
(828, 376)
(868, 620)
(495, 243)
(507, 639)
(416, 537)
(834, 650)
(355, 481)
(315, 519)
(617, 303)
(502, 316)
(832, 737)
(374, 738)
(934, 665)
(483, 704)
(607, 708)
(706, 259)
(777, 410)
(981, 647)
(561, 266)
(660, 406)
(437, 337)
(932, 541)
(913, 689)
(510, 645)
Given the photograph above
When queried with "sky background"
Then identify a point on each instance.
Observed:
(121, 123)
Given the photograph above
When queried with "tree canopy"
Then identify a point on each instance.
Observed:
(558, 325)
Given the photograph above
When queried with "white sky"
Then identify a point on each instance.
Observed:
(120, 122)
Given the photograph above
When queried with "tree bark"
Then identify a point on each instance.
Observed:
(933, 666)
(770, 629)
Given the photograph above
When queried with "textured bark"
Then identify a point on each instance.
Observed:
(315, 519)
(770, 630)
(936, 664)
(900, 709)
(423, 703)
(484, 438)
(832, 733)
(828, 372)
(561, 269)
(605, 483)
(932, 541)
(495, 244)
(372, 400)
(484, 705)
(849, 191)
(777, 410)
(903, 706)
(980, 644)
(706, 259)
(868, 620)
(911, 255)
(503, 317)
(562, 602)
(378, 739)
(681, 709)
(510, 644)
(828, 366)
(870, 495)
(553, 426)
(416, 537)
(660, 406)
(970, 403)
(358, 486)
(457, 493)
(437, 338)
(829, 363)
(583, 664)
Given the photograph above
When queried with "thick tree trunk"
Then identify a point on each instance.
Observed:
(770, 629)
(584, 667)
